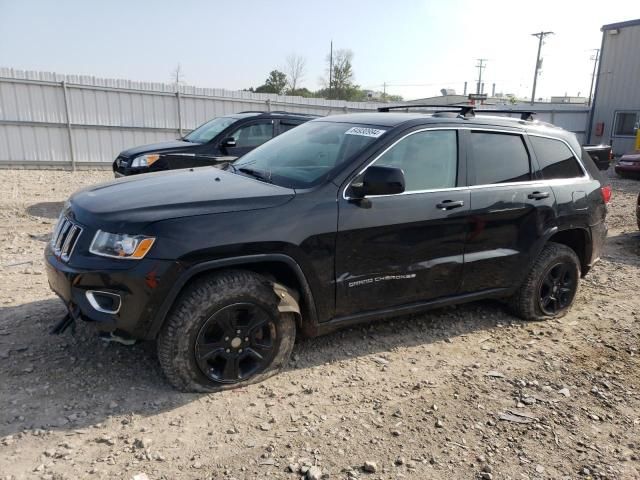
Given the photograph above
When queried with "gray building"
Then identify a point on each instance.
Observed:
(615, 115)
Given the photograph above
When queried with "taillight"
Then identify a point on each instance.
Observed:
(606, 193)
(610, 154)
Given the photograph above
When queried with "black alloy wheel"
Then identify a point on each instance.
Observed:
(557, 288)
(235, 343)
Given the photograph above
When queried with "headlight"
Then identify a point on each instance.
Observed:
(121, 245)
(144, 160)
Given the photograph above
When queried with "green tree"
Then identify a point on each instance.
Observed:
(276, 82)
(340, 71)
(302, 92)
(392, 98)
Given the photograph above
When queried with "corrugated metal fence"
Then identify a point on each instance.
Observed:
(52, 120)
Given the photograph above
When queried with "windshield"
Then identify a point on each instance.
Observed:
(206, 132)
(305, 155)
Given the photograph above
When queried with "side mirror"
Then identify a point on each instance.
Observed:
(228, 142)
(378, 180)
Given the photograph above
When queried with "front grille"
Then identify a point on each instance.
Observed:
(120, 164)
(64, 238)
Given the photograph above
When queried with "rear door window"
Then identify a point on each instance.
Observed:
(498, 158)
(555, 159)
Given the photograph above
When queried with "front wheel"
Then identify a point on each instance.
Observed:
(551, 285)
(225, 331)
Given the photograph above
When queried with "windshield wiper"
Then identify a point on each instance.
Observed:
(259, 174)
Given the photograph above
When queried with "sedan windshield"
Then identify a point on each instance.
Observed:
(207, 131)
(305, 155)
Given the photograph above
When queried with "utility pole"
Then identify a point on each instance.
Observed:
(480, 66)
(595, 59)
(540, 36)
(330, 68)
(384, 91)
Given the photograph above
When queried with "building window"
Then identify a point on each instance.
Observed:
(626, 123)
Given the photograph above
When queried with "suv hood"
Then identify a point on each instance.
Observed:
(156, 147)
(129, 203)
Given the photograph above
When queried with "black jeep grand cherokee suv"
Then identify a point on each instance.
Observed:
(218, 141)
(343, 220)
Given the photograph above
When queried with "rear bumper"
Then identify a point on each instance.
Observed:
(629, 168)
(598, 239)
(141, 291)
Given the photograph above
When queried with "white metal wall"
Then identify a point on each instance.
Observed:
(618, 84)
(107, 116)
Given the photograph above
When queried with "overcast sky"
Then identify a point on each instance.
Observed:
(417, 47)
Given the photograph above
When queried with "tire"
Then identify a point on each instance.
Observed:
(195, 349)
(531, 300)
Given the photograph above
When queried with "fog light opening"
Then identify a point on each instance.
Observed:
(104, 302)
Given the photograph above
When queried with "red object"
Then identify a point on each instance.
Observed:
(606, 193)
(599, 129)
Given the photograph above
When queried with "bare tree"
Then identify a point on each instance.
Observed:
(295, 70)
(177, 76)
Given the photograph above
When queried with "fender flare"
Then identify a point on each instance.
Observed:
(288, 303)
(544, 239)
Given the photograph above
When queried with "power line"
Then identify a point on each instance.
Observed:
(540, 36)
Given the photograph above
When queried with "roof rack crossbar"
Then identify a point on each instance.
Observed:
(464, 110)
(467, 111)
(280, 112)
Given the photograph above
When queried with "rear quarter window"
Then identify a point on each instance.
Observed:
(556, 160)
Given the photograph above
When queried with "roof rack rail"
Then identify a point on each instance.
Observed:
(524, 114)
(253, 111)
(294, 113)
(466, 111)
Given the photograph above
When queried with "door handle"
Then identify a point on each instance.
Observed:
(450, 204)
(538, 195)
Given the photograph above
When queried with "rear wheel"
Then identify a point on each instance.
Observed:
(551, 285)
(225, 331)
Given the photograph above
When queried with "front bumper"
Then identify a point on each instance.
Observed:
(141, 289)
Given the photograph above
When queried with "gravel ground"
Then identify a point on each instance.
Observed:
(458, 393)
